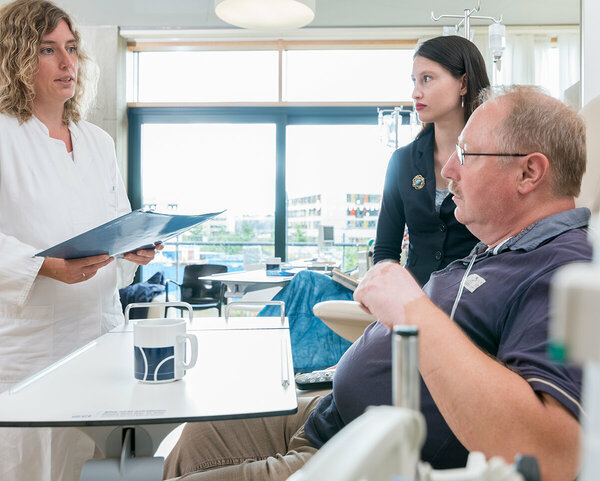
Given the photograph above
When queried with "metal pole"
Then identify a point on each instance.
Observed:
(406, 382)
(467, 24)
(177, 259)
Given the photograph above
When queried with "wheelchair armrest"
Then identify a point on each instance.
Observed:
(345, 318)
(382, 443)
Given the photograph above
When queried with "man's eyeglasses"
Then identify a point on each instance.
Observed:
(460, 152)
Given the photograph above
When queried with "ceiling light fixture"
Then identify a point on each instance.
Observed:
(266, 14)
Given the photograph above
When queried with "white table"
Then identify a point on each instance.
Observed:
(244, 369)
(241, 282)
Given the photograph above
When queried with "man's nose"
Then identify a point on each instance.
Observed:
(449, 170)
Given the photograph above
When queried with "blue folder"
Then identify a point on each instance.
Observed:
(130, 232)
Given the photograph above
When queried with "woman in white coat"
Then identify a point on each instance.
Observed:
(58, 178)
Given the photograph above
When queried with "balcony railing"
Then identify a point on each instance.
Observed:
(174, 258)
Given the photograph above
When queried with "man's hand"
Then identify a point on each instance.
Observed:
(385, 292)
(72, 271)
(143, 256)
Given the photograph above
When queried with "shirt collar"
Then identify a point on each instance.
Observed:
(539, 232)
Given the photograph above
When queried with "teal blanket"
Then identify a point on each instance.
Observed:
(314, 345)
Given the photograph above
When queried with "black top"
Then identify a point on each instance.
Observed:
(435, 239)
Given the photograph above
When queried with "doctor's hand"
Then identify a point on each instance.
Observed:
(72, 271)
(142, 257)
(386, 291)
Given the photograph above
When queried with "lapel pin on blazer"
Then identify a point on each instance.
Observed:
(418, 182)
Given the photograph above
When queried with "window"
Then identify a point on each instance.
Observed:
(249, 76)
(347, 75)
(335, 177)
(549, 59)
(280, 170)
(198, 168)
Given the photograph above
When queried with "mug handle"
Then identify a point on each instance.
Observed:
(194, 347)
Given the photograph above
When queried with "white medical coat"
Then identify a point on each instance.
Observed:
(47, 197)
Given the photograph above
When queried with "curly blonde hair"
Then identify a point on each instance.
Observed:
(23, 23)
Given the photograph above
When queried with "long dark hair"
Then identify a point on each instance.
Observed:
(459, 56)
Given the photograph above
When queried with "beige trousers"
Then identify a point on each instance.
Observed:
(258, 449)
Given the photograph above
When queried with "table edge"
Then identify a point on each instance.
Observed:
(142, 421)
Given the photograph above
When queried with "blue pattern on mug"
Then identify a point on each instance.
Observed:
(154, 363)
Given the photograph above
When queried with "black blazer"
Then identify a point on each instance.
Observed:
(435, 239)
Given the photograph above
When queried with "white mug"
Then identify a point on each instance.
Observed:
(159, 350)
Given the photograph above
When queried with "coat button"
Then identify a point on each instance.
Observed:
(442, 227)
(437, 255)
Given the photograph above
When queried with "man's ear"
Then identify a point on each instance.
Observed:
(534, 172)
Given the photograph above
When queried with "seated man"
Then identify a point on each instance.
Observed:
(483, 321)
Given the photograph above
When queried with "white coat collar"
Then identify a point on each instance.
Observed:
(37, 122)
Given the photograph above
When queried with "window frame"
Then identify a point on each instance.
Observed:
(280, 116)
(281, 113)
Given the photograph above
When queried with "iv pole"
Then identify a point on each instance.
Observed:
(496, 46)
(497, 33)
(466, 19)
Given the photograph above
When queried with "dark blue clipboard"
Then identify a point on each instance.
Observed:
(135, 230)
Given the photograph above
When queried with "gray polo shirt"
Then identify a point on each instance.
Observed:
(503, 309)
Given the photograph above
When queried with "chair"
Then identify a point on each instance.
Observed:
(345, 318)
(146, 291)
(201, 294)
(252, 258)
(384, 442)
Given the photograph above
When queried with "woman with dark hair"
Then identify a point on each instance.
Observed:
(448, 73)
(58, 178)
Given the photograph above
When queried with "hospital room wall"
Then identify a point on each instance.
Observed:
(109, 111)
(590, 33)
